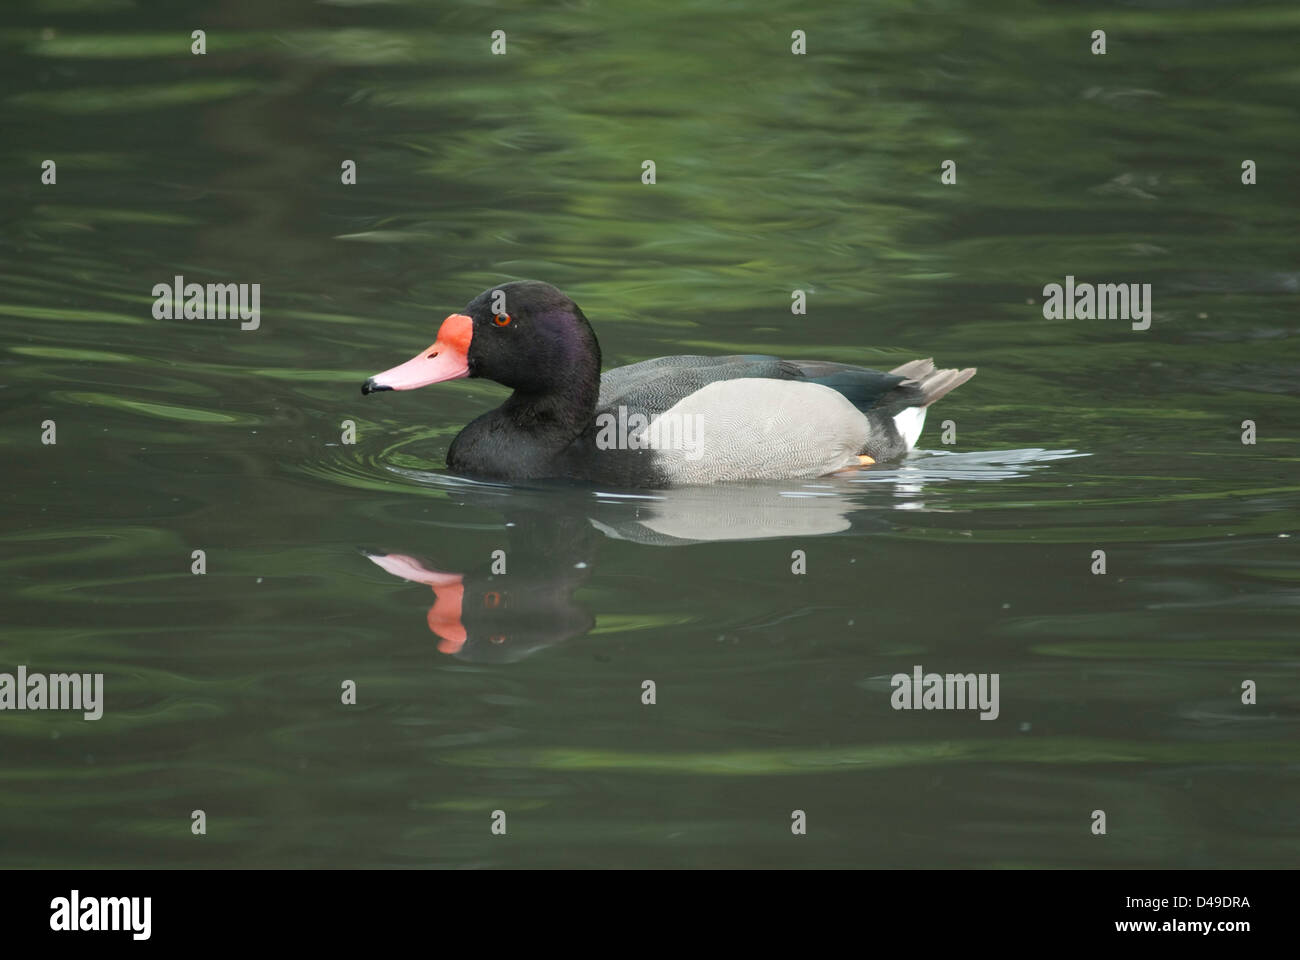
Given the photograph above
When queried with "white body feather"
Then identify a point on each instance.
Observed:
(759, 429)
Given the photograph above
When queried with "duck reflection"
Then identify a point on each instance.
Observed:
(553, 532)
(552, 539)
(734, 512)
(485, 616)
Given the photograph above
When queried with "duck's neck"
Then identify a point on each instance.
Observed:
(527, 436)
(561, 412)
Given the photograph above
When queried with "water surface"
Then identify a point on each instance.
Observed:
(1119, 692)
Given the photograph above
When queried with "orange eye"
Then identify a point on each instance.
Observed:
(501, 319)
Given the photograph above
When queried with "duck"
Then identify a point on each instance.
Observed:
(665, 422)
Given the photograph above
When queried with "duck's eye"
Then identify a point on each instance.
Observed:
(501, 319)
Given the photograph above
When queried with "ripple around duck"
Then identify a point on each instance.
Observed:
(990, 487)
(370, 466)
(394, 460)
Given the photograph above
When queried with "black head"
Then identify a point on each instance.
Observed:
(525, 334)
(531, 337)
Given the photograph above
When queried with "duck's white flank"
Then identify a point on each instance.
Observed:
(760, 429)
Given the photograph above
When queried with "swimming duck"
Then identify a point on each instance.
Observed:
(665, 422)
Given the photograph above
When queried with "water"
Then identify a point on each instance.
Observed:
(1119, 692)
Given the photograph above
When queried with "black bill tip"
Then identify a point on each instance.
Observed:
(371, 387)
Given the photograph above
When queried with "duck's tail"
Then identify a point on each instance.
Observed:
(922, 384)
(932, 383)
(894, 403)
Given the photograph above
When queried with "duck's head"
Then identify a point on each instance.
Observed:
(525, 334)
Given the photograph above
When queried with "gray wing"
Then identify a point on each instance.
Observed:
(652, 386)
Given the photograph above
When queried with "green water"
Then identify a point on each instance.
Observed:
(1119, 692)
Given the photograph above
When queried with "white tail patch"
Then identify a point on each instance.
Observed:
(910, 423)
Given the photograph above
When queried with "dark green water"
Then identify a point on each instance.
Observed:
(775, 172)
